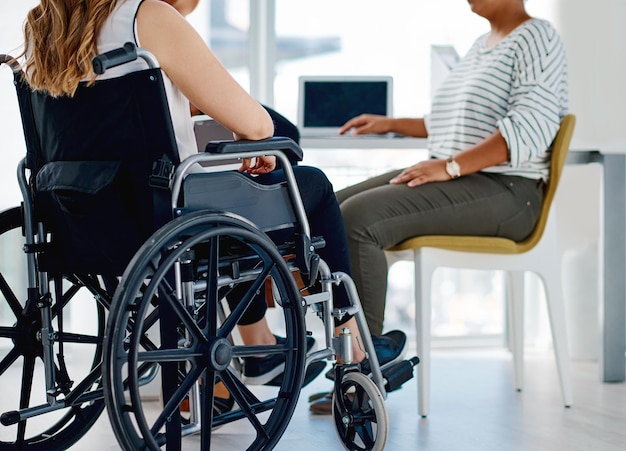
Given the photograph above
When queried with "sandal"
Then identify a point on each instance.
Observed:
(321, 404)
(316, 396)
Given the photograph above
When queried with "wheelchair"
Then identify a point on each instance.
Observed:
(129, 259)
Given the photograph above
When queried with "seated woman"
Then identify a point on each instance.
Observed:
(61, 38)
(492, 122)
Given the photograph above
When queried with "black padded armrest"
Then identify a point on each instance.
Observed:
(286, 145)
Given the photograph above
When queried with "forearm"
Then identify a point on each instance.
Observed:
(414, 127)
(489, 152)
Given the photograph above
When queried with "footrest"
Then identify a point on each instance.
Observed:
(398, 374)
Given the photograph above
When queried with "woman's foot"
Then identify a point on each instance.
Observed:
(222, 405)
(223, 402)
(390, 348)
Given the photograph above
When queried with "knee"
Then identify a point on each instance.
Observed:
(312, 176)
(356, 218)
(315, 188)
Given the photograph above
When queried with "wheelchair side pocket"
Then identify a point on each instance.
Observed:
(80, 187)
(93, 222)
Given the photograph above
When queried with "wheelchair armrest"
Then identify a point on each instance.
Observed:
(286, 145)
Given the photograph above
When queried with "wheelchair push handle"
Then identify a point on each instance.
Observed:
(114, 58)
(11, 62)
(129, 52)
(286, 145)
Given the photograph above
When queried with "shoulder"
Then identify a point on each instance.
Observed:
(157, 12)
(155, 7)
(538, 34)
(160, 25)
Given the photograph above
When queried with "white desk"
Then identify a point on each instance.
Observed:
(613, 295)
(363, 142)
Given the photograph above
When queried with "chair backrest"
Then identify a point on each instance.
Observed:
(559, 150)
(96, 161)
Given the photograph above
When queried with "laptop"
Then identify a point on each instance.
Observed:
(325, 103)
(207, 130)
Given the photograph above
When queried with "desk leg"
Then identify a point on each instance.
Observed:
(613, 309)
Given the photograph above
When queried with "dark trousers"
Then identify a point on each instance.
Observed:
(325, 220)
(378, 215)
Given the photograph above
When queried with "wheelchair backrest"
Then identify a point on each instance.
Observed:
(100, 163)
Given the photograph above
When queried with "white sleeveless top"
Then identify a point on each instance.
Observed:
(119, 28)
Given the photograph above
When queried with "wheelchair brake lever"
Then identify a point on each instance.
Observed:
(314, 266)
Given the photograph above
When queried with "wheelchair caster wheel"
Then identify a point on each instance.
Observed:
(359, 413)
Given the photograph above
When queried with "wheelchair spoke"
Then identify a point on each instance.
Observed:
(187, 320)
(238, 312)
(172, 407)
(90, 380)
(257, 350)
(168, 355)
(206, 428)
(93, 285)
(212, 290)
(67, 337)
(66, 298)
(166, 295)
(245, 398)
(363, 421)
(9, 360)
(10, 297)
(9, 332)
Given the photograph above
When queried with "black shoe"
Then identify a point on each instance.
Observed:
(390, 348)
(269, 370)
(223, 405)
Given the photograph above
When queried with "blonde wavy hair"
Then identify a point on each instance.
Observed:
(60, 42)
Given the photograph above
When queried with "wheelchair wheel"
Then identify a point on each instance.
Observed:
(360, 414)
(170, 338)
(21, 354)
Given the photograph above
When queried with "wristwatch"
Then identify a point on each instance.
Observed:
(452, 168)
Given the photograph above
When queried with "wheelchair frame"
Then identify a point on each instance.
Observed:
(126, 359)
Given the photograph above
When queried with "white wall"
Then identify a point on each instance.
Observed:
(595, 40)
(595, 37)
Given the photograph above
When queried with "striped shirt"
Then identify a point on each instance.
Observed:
(518, 87)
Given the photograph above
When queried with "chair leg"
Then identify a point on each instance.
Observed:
(556, 314)
(516, 298)
(423, 316)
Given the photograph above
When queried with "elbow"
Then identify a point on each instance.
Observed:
(261, 128)
(263, 132)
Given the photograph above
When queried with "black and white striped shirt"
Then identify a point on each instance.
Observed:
(519, 87)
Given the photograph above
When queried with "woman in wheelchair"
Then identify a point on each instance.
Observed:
(58, 59)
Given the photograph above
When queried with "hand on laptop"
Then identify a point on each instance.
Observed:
(367, 124)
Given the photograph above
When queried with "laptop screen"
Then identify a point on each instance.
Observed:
(326, 103)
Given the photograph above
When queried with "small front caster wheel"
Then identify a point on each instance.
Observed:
(360, 414)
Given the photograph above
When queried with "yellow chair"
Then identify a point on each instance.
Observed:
(538, 253)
